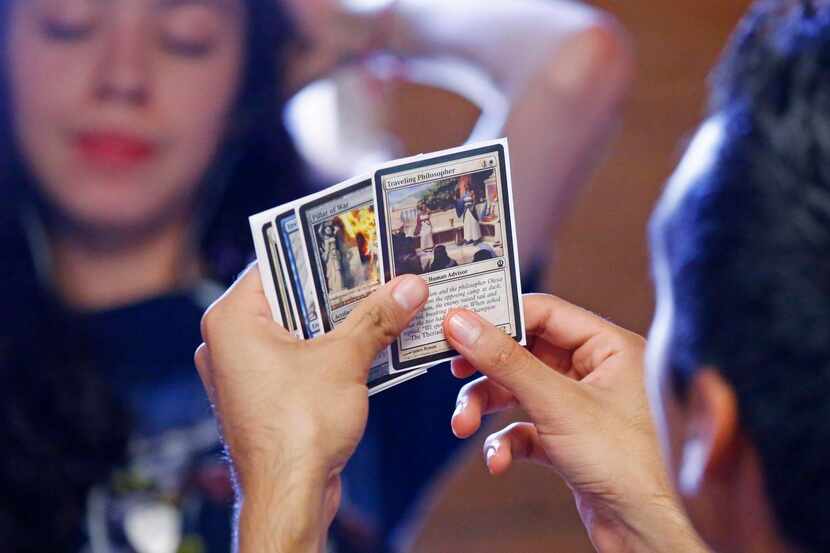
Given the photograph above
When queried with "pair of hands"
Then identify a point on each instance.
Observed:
(293, 412)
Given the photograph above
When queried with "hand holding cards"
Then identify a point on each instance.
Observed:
(447, 217)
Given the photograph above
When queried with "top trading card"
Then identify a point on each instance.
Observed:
(298, 275)
(448, 217)
(340, 236)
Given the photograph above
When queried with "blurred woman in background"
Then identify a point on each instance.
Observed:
(136, 136)
(125, 126)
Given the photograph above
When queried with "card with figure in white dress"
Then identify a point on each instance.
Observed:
(339, 232)
(448, 217)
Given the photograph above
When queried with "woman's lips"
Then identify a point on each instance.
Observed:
(114, 150)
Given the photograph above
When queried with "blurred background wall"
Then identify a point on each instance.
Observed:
(600, 255)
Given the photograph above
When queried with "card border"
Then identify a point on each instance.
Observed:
(258, 224)
(285, 211)
(392, 380)
(497, 146)
(265, 227)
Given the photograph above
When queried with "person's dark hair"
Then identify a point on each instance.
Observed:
(440, 256)
(259, 167)
(483, 255)
(748, 256)
(62, 429)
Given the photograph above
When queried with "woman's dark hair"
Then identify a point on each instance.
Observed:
(748, 255)
(259, 167)
(61, 428)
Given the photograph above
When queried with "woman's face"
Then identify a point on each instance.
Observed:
(119, 105)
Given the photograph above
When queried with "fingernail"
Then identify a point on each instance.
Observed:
(576, 63)
(460, 405)
(490, 453)
(465, 329)
(410, 292)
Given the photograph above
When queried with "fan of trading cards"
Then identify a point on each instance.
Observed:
(447, 217)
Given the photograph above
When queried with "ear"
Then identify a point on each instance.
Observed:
(711, 438)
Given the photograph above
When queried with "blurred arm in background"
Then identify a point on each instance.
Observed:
(547, 74)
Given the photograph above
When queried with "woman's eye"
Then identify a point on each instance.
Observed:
(191, 31)
(66, 20)
(187, 47)
(65, 31)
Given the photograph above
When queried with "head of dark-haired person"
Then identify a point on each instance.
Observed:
(118, 119)
(739, 353)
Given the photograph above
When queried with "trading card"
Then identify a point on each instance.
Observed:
(340, 237)
(448, 217)
(301, 289)
(270, 269)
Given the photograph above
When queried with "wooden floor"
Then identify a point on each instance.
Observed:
(601, 263)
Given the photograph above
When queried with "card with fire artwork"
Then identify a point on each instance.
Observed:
(339, 231)
(341, 243)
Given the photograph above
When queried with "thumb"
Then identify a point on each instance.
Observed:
(245, 296)
(498, 356)
(382, 317)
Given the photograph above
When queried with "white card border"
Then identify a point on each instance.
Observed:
(257, 221)
(290, 207)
